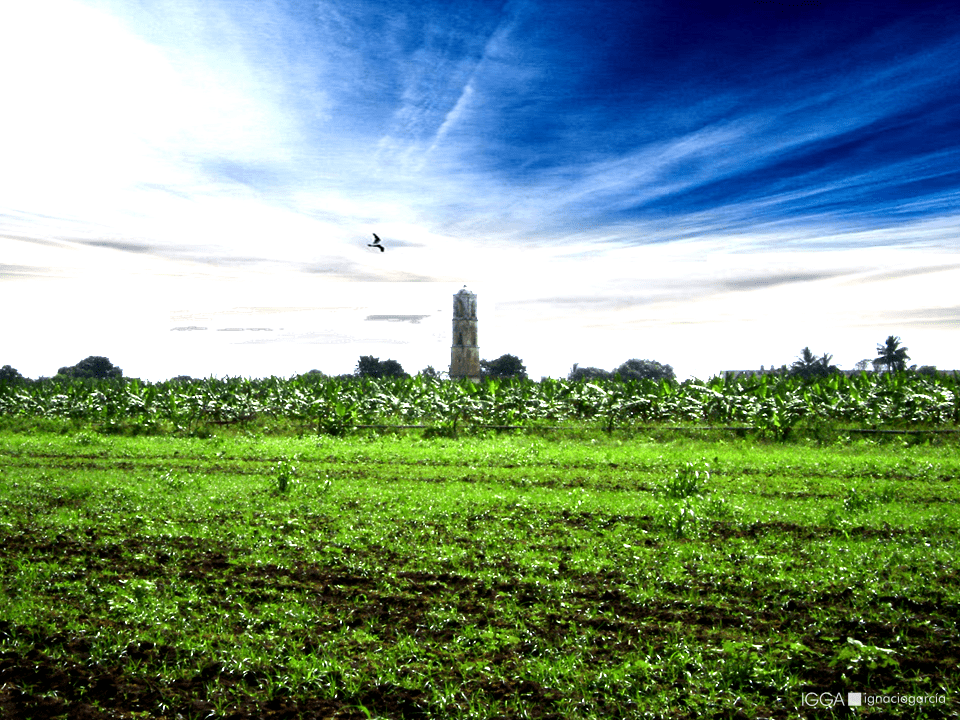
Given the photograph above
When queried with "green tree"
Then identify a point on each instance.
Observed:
(391, 368)
(9, 374)
(369, 366)
(505, 366)
(430, 372)
(587, 373)
(644, 370)
(809, 366)
(94, 366)
(891, 355)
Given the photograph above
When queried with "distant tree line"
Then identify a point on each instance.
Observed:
(630, 370)
(95, 367)
(505, 366)
(891, 357)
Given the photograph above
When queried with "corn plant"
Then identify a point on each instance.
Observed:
(336, 419)
(687, 480)
(285, 471)
(680, 521)
(772, 405)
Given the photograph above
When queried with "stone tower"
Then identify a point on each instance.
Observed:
(465, 353)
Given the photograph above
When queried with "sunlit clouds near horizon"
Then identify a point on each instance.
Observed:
(189, 187)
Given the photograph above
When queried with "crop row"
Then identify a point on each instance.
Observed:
(773, 404)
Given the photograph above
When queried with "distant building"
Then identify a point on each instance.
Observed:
(784, 370)
(465, 352)
(750, 373)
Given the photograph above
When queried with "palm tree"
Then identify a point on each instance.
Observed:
(891, 355)
(827, 368)
(805, 365)
(809, 365)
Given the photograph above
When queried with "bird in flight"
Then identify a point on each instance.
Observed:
(376, 243)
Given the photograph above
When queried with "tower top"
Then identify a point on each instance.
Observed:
(465, 304)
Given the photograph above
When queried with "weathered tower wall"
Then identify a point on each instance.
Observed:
(465, 352)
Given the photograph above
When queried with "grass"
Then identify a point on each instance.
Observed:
(398, 576)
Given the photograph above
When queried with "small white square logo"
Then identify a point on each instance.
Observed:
(853, 700)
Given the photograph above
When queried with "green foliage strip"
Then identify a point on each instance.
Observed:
(769, 404)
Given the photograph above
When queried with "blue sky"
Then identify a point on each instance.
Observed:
(189, 187)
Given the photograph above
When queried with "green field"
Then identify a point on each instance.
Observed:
(562, 575)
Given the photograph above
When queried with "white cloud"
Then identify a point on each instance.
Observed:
(95, 117)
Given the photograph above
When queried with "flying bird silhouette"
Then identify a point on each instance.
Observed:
(376, 243)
